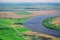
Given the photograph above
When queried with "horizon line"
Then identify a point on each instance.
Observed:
(29, 2)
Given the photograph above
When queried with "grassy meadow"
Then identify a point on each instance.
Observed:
(7, 32)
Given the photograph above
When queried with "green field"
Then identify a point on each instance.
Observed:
(23, 13)
(7, 32)
(48, 23)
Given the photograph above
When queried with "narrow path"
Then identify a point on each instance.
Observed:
(17, 30)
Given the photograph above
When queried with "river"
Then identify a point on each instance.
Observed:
(35, 24)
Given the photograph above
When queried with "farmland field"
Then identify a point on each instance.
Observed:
(23, 13)
(7, 32)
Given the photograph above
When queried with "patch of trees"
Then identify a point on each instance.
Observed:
(19, 23)
(2, 28)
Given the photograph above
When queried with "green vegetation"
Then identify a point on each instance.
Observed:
(22, 29)
(10, 34)
(23, 13)
(7, 32)
(48, 23)
(4, 22)
(21, 20)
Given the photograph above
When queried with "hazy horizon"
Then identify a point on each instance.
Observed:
(29, 0)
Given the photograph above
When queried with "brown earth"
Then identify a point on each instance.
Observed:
(37, 13)
(34, 13)
(8, 15)
(42, 35)
(45, 12)
(56, 21)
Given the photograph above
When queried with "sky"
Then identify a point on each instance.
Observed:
(29, 0)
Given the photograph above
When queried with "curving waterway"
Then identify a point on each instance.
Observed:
(35, 24)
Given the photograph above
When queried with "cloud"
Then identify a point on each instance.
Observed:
(29, 0)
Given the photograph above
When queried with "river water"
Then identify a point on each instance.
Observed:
(35, 24)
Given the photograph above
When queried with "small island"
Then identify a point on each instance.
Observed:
(52, 23)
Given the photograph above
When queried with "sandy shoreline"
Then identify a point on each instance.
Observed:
(42, 35)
